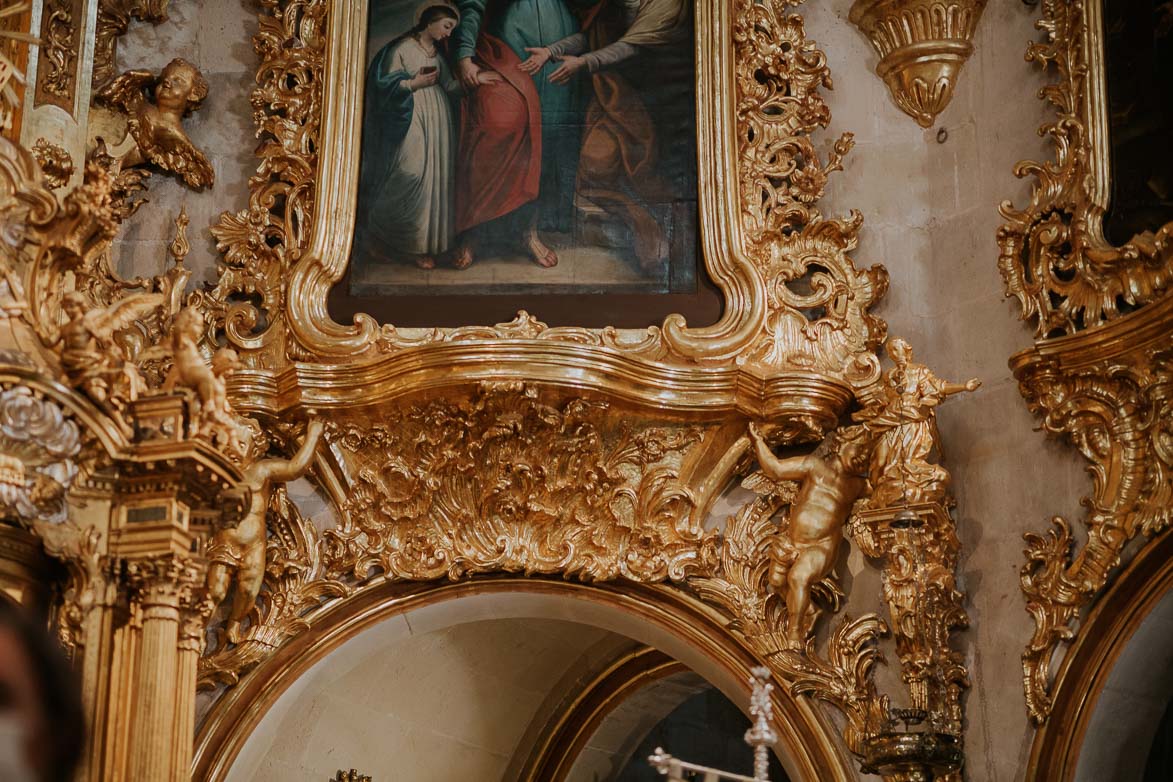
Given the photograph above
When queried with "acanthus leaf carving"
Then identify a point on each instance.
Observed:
(1115, 411)
(818, 302)
(843, 677)
(1053, 256)
(555, 492)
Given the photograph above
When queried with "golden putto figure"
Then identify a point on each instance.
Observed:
(241, 548)
(86, 344)
(155, 108)
(830, 481)
(211, 414)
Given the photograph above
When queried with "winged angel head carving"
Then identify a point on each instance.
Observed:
(155, 108)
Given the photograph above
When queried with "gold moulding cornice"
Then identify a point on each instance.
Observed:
(1139, 332)
(429, 369)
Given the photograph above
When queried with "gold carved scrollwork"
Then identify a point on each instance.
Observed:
(261, 243)
(1099, 373)
(1053, 254)
(1116, 411)
(571, 489)
(818, 303)
(61, 26)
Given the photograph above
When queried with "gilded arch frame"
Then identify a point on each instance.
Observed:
(809, 741)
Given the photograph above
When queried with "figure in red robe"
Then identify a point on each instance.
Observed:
(518, 143)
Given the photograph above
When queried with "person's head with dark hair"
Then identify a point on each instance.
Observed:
(435, 17)
(42, 725)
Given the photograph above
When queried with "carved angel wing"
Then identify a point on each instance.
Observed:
(184, 159)
(126, 92)
(759, 484)
(102, 323)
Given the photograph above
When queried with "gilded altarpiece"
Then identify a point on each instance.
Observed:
(515, 456)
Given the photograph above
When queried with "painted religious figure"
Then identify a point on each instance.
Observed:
(515, 146)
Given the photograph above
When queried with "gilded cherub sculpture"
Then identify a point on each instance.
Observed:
(905, 420)
(211, 412)
(830, 481)
(90, 356)
(155, 109)
(241, 548)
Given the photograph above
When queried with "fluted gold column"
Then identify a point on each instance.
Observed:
(157, 585)
(194, 611)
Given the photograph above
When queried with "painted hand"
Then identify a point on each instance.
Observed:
(466, 71)
(570, 66)
(423, 79)
(973, 384)
(489, 77)
(538, 57)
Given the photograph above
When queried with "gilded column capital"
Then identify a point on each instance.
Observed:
(165, 582)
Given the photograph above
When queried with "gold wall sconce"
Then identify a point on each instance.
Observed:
(922, 45)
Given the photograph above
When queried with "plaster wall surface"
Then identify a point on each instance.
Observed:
(431, 707)
(930, 217)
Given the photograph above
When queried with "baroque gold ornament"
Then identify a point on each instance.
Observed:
(922, 46)
(155, 108)
(574, 490)
(903, 415)
(237, 551)
(804, 553)
(61, 27)
(1099, 372)
(1053, 256)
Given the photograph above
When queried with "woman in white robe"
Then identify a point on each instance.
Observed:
(409, 139)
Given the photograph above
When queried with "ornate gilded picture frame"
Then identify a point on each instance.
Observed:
(790, 296)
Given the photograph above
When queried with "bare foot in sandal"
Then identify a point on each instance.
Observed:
(538, 251)
(425, 262)
(463, 257)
